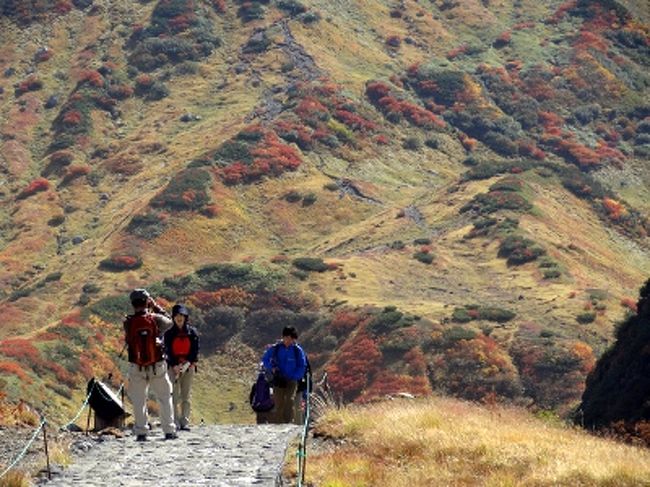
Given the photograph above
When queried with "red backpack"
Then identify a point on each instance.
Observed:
(141, 337)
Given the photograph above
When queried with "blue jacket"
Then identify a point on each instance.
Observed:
(291, 361)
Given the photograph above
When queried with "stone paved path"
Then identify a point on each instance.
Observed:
(214, 455)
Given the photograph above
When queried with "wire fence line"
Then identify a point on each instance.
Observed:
(43, 424)
(24, 450)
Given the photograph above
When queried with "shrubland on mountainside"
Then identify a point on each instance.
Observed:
(442, 195)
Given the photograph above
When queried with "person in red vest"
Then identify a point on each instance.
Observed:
(182, 351)
(147, 366)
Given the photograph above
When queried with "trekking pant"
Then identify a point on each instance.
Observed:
(140, 378)
(181, 396)
(283, 397)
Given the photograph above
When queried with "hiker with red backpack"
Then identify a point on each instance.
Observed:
(285, 364)
(182, 351)
(147, 366)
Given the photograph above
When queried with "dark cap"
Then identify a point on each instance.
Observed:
(180, 309)
(139, 296)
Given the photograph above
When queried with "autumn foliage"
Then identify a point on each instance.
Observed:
(36, 186)
(358, 361)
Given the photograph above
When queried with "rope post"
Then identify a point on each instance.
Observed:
(302, 448)
(123, 422)
(88, 420)
(47, 453)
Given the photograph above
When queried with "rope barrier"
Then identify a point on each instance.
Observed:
(24, 452)
(42, 425)
(83, 406)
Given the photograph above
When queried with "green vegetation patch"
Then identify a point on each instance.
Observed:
(469, 313)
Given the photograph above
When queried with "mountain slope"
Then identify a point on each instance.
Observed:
(448, 159)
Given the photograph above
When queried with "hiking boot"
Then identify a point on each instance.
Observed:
(185, 428)
(141, 438)
(171, 436)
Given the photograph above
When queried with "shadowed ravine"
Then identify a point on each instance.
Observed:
(214, 455)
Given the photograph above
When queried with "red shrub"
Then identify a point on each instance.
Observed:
(311, 110)
(72, 118)
(61, 158)
(93, 78)
(344, 322)
(375, 90)
(468, 142)
(589, 40)
(43, 55)
(279, 259)
(387, 383)
(121, 262)
(211, 211)
(523, 25)
(37, 185)
(457, 51)
(355, 121)
(20, 348)
(182, 22)
(74, 172)
(358, 360)
(381, 140)
(629, 303)
(503, 39)
(31, 83)
(62, 7)
(120, 92)
(234, 173)
(144, 81)
(561, 11)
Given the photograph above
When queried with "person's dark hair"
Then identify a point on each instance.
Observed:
(180, 309)
(290, 331)
(139, 297)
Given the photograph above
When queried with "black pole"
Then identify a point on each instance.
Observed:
(47, 453)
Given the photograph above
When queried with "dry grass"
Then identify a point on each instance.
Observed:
(439, 441)
(16, 478)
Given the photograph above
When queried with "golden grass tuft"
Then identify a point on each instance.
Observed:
(440, 441)
(16, 478)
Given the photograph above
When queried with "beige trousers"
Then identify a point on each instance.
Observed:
(140, 378)
(181, 396)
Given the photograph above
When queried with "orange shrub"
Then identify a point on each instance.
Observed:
(37, 185)
(629, 303)
(614, 209)
(11, 367)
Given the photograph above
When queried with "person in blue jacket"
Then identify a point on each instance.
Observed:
(286, 363)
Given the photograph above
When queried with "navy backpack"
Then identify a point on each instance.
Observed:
(260, 397)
